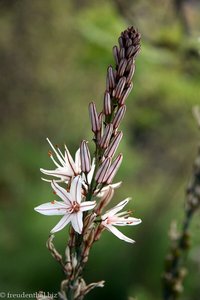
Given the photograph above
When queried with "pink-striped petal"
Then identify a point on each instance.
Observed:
(77, 221)
(75, 189)
(62, 223)
(59, 172)
(119, 234)
(130, 221)
(51, 208)
(78, 161)
(115, 209)
(87, 205)
(61, 192)
(69, 161)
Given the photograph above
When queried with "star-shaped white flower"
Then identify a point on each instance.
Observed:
(70, 207)
(66, 166)
(112, 218)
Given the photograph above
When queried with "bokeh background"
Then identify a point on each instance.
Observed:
(54, 56)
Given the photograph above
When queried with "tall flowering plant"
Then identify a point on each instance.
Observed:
(84, 185)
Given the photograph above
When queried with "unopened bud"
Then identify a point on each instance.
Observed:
(131, 73)
(110, 151)
(104, 142)
(85, 157)
(101, 174)
(125, 94)
(130, 51)
(128, 43)
(121, 43)
(100, 132)
(115, 54)
(110, 80)
(120, 87)
(119, 116)
(114, 168)
(129, 64)
(94, 117)
(122, 67)
(107, 104)
(122, 53)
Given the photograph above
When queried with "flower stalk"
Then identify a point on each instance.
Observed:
(88, 181)
(175, 269)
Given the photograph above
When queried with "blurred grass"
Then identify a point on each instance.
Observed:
(54, 60)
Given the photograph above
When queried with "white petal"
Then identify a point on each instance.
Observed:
(78, 161)
(75, 189)
(51, 208)
(104, 189)
(61, 192)
(77, 221)
(119, 234)
(55, 180)
(59, 172)
(87, 205)
(116, 208)
(90, 174)
(127, 221)
(62, 223)
(69, 161)
(116, 185)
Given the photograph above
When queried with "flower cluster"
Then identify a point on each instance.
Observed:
(85, 179)
(84, 184)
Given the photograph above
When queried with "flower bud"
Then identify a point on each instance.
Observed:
(110, 151)
(113, 169)
(94, 117)
(107, 104)
(131, 73)
(125, 94)
(120, 87)
(110, 80)
(104, 142)
(85, 157)
(130, 51)
(115, 54)
(122, 67)
(119, 116)
(101, 174)
(122, 53)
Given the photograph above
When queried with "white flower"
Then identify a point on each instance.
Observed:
(66, 166)
(70, 207)
(112, 218)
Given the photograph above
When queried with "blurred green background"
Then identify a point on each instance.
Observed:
(54, 56)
